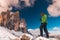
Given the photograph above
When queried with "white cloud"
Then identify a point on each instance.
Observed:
(55, 31)
(27, 2)
(7, 4)
(52, 32)
(54, 9)
(30, 29)
(56, 28)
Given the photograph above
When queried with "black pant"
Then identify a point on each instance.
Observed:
(43, 26)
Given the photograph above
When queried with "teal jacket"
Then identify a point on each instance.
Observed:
(44, 18)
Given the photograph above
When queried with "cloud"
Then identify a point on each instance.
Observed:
(55, 31)
(49, 1)
(56, 28)
(54, 9)
(7, 4)
(27, 2)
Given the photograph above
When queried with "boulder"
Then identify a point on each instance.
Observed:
(25, 36)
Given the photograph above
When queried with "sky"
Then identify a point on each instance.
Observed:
(31, 13)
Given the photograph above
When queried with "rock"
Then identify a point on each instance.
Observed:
(25, 36)
(41, 38)
(5, 34)
(14, 39)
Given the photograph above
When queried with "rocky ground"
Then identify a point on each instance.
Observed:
(6, 34)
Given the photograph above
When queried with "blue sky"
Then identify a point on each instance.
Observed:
(32, 15)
